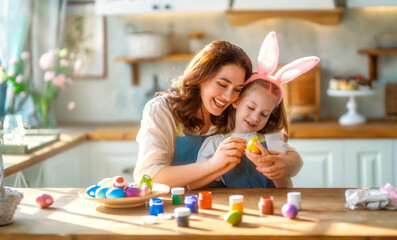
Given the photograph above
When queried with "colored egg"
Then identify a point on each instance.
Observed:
(289, 211)
(91, 190)
(134, 192)
(44, 200)
(119, 182)
(233, 217)
(146, 190)
(252, 147)
(115, 193)
(147, 180)
(101, 192)
(106, 182)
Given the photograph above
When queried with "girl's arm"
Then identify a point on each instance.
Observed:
(211, 177)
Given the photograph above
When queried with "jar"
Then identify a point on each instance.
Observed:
(236, 203)
(205, 200)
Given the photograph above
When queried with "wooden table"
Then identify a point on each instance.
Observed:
(323, 216)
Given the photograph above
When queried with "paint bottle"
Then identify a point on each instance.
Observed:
(178, 195)
(205, 200)
(182, 216)
(156, 206)
(191, 203)
(266, 205)
(295, 199)
(236, 203)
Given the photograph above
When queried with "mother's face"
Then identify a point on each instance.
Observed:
(218, 92)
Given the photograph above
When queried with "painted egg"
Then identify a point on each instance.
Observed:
(289, 211)
(118, 182)
(146, 179)
(106, 182)
(134, 192)
(234, 217)
(146, 190)
(115, 193)
(44, 200)
(101, 192)
(91, 190)
(252, 147)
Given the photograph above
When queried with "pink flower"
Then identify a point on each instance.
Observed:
(71, 106)
(10, 92)
(49, 75)
(60, 81)
(25, 55)
(19, 78)
(12, 61)
(11, 73)
(64, 62)
(47, 60)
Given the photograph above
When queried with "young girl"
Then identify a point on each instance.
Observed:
(259, 113)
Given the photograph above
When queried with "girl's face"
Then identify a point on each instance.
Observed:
(253, 109)
(224, 88)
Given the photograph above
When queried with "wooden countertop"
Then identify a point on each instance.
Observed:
(323, 216)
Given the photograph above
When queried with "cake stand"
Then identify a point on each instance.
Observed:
(352, 117)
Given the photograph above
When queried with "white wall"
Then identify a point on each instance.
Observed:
(114, 99)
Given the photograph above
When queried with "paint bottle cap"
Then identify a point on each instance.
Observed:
(236, 199)
(182, 212)
(164, 216)
(156, 201)
(146, 220)
(295, 199)
(177, 191)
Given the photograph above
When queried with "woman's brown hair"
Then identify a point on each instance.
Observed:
(278, 118)
(184, 95)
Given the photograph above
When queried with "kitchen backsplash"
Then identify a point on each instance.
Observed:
(115, 99)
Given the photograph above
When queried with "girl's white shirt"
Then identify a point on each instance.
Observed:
(156, 138)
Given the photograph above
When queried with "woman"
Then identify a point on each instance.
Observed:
(173, 124)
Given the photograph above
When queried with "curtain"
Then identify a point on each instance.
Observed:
(43, 19)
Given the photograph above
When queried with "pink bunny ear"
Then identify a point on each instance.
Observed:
(268, 55)
(295, 69)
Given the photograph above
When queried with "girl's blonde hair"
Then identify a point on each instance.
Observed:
(278, 118)
(184, 95)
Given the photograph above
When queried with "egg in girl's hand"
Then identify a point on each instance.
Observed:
(106, 182)
(252, 147)
(44, 200)
(118, 182)
(134, 191)
(115, 193)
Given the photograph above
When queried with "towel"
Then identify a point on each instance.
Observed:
(371, 199)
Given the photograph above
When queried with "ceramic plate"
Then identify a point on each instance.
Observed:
(127, 202)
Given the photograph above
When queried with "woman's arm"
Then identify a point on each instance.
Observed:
(285, 182)
(211, 177)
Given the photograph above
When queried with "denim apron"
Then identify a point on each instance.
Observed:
(245, 175)
(187, 149)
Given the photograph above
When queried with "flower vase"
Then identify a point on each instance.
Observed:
(46, 114)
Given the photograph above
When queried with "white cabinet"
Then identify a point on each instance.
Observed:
(346, 162)
(323, 163)
(112, 158)
(124, 7)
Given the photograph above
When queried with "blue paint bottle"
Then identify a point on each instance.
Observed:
(156, 206)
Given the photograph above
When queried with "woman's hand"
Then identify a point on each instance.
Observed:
(229, 151)
(272, 164)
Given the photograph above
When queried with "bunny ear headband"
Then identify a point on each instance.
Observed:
(268, 60)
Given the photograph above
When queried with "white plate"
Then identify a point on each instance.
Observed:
(127, 202)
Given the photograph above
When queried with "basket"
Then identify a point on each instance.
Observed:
(391, 101)
(9, 199)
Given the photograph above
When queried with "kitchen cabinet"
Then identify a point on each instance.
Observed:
(117, 7)
(346, 162)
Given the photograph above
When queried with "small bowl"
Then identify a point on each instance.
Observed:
(387, 41)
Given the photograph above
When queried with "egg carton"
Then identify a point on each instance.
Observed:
(9, 200)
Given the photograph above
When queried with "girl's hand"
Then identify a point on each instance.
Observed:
(229, 151)
(272, 164)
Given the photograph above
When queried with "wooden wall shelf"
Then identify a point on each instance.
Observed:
(322, 17)
(373, 59)
(135, 61)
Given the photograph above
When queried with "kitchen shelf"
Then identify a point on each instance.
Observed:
(135, 61)
(322, 16)
(373, 59)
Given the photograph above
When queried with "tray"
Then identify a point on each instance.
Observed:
(33, 140)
